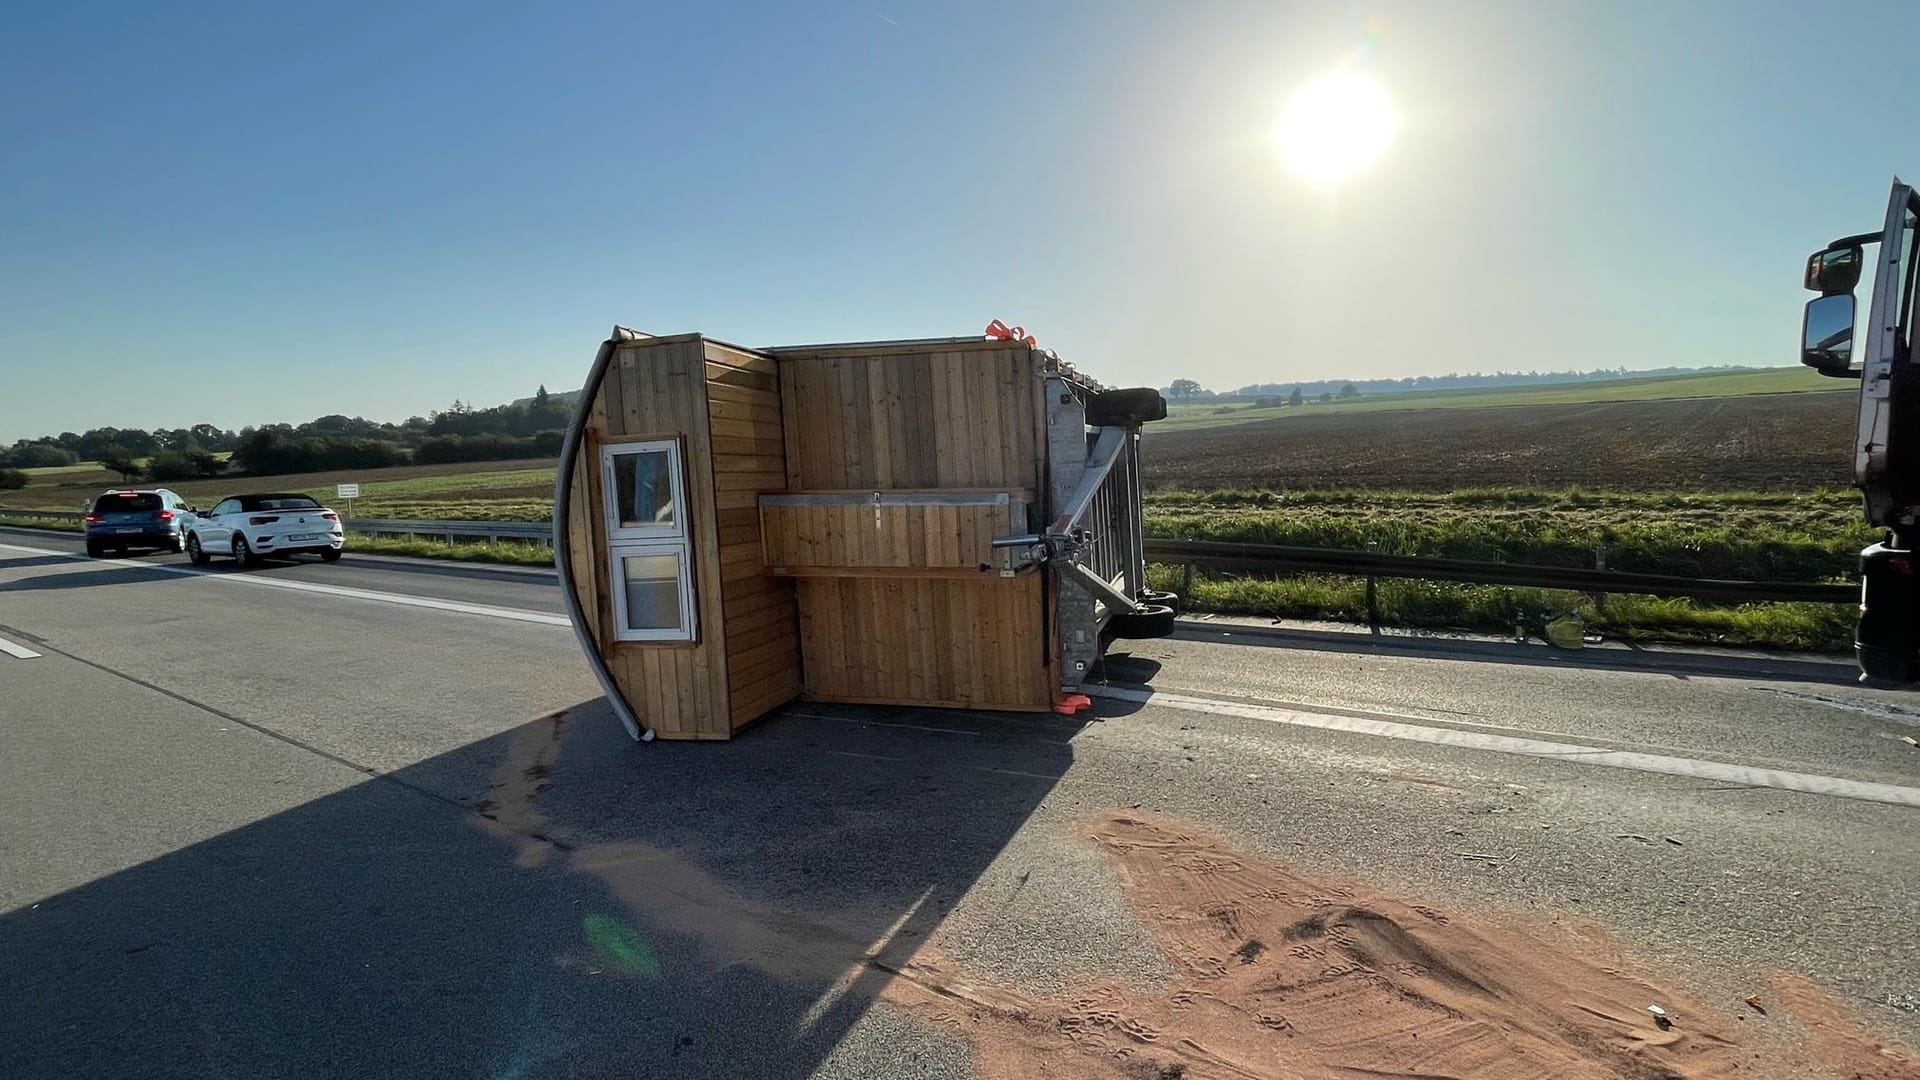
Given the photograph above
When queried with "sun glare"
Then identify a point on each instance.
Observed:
(1335, 126)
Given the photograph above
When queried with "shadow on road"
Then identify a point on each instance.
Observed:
(1673, 662)
(555, 900)
(23, 562)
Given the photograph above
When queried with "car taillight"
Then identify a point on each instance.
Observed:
(330, 515)
(262, 520)
(166, 515)
(93, 517)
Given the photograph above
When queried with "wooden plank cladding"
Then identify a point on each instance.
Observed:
(762, 625)
(899, 612)
(655, 388)
(855, 533)
(919, 641)
(837, 507)
(962, 415)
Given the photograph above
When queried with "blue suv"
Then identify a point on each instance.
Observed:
(123, 520)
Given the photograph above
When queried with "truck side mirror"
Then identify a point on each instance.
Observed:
(1834, 271)
(1826, 335)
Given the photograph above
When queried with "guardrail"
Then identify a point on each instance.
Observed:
(42, 515)
(1240, 558)
(1275, 558)
(537, 532)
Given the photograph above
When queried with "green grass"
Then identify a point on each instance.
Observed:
(512, 554)
(1758, 536)
(1499, 609)
(1794, 380)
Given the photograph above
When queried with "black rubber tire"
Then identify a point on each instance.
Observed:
(1126, 408)
(1164, 599)
(1151, 621)
(194, 555)
(179, 544)
(242, 554)
(330, 555)
(95, 551)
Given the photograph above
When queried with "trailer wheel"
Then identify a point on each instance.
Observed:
(1151, 621)
(1126, 408)
(1162, 599)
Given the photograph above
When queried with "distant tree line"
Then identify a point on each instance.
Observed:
(531, 427)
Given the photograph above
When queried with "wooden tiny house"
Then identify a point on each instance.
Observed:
(925, 522)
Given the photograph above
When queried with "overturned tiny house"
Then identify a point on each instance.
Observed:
(950, 522)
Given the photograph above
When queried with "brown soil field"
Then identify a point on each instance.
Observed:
(1780, 442)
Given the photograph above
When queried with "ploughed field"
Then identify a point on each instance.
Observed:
(1771, 442)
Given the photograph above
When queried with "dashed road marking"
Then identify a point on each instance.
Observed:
(12, 649)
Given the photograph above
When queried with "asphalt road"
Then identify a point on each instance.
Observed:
(255, 830)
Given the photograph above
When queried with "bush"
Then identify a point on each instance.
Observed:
(170, 465)
(205, 464)
(12, 479)
(444, 449)
(38, 456)
(276, 451)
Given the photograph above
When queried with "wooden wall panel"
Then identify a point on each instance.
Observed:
(657, 388)
(812, 533)
(963, 416)
(925, 641)
(761, 619)
(946, 416)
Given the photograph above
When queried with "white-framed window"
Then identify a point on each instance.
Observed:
(645, 494)
(647, 541)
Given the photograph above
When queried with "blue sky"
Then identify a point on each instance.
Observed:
(250, 213)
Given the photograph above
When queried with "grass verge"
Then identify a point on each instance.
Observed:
(1443, 605)
(505, 552)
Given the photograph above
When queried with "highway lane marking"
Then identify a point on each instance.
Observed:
(1663, 764)
(20, 651)
(345, 591)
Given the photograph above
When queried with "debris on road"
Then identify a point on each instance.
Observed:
(1674, 840)
(1910, 740)
(1261, 951)
(1753, 1002)
(1633, 836)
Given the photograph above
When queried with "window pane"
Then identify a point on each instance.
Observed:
(643, 486)
(653, 591)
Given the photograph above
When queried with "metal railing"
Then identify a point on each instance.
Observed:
(537, 532)
(1211, 555)
(1279, 559)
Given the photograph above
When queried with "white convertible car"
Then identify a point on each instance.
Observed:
(250, 527)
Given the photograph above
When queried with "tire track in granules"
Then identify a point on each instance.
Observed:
(1284, 976)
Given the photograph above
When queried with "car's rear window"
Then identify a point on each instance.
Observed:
(277, 502)
(127, 501)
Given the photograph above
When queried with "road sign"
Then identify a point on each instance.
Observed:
(346, 491)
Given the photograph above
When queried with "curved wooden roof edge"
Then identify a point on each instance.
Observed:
(563, 512)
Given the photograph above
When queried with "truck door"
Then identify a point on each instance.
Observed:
(1887, 441)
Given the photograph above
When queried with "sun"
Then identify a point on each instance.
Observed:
(1335, 126)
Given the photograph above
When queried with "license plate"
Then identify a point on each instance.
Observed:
(126, 530)
(304, 536)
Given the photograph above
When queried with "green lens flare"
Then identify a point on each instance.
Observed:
(620, 945)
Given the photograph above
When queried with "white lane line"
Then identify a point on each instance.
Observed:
(1692, 768)
(20, 651)
(347, 592)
